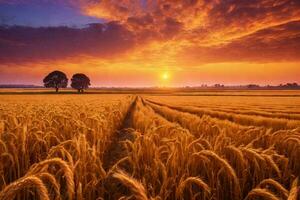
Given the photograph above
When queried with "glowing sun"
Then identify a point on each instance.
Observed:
(165, 76)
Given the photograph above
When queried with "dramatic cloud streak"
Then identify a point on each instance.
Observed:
(23, 44)
(163, 34)
(275, 44)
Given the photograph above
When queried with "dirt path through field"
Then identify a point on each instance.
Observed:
(117, 151)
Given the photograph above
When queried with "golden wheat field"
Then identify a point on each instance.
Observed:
(88, 147)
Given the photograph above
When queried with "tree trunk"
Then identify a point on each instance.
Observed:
(56, 89)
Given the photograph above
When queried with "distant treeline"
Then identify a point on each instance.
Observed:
(287, 86)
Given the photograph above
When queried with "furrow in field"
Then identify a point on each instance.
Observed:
(272, 109)
(248, 111)
(116, 150)
(208, 127)
(154, 156)
(253, 113)
(280, 105)
(275, 124)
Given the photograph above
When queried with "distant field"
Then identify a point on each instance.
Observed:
(153, 144)
(157, 91)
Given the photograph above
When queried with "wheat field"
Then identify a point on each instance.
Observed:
(149, 147)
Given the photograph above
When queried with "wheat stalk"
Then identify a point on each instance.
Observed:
(261, 193)
(275, 184)
(11, 190)
(191, 180)
(136, 187)
(295, 191)
(68, 173)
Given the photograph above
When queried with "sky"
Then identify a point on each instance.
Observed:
(138, 43)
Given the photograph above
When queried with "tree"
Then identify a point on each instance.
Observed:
(56, 79)
(218, 85)
(253, 86)
(80, 82)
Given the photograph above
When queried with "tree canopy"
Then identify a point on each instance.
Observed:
(56, 79)
(80, 82)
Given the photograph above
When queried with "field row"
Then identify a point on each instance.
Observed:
(287, 105)
(249, 117)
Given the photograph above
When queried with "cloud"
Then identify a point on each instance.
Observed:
(275, 44)
(214, 19)
(208, 30)
(22, 44)
(175, 32)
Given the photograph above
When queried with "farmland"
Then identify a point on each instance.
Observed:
(206, 145)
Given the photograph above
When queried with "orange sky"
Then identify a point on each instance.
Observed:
(136, 42)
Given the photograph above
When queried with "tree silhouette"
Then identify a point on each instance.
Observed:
(80, 82)
(56, 79)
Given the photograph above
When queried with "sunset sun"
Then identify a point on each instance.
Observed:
(165, 76)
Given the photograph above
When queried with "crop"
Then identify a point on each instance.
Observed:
(127, 147)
